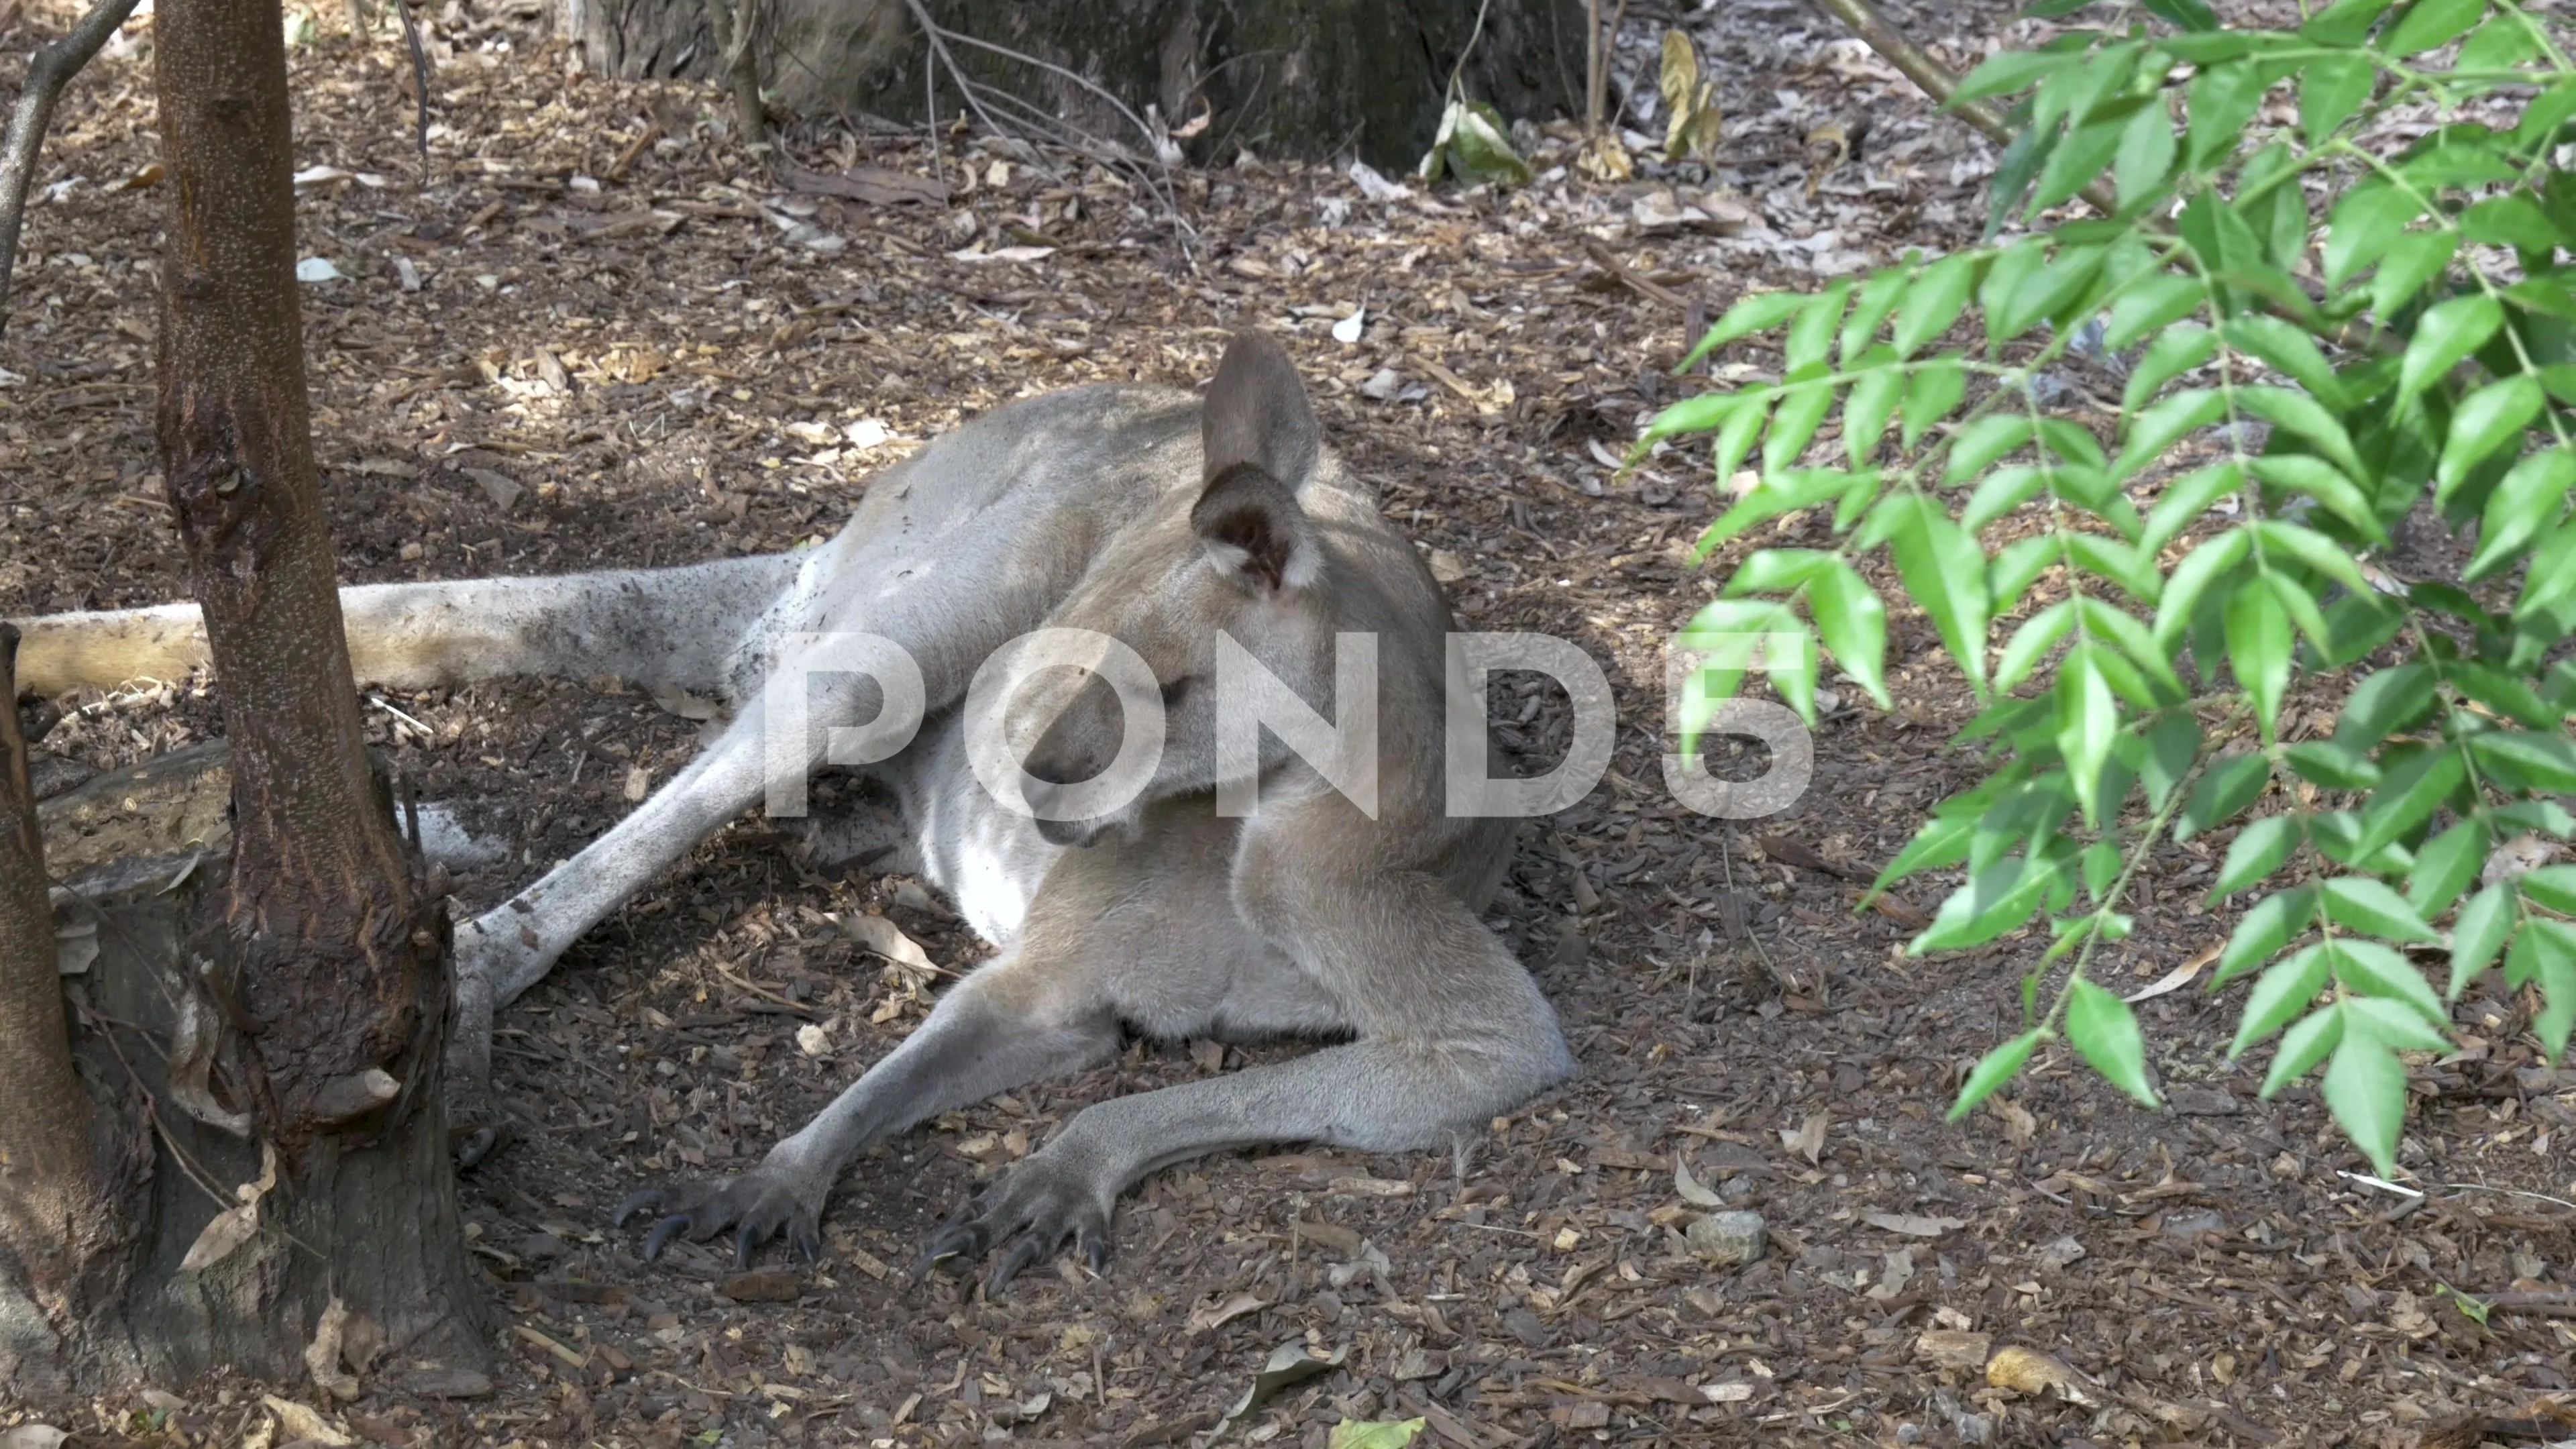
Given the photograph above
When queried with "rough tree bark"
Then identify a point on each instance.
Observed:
(1286, 77)
(298, 1019)
(46, 1189)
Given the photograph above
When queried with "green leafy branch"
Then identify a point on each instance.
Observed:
(2170, 582)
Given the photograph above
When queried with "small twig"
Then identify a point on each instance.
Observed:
(47, 73)
(1642, 286)
(2505, 1192)
(796, 1008)
(2533, 1305)
(625, 161)
(419, 85)
(1473, 35)
(1592, 72)
(930, 111)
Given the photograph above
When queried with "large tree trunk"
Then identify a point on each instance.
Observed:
(288, 1034)
(1311, 78)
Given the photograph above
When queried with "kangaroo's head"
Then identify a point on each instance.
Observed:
(1239, 556)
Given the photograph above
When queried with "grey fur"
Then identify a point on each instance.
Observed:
(1309, 918)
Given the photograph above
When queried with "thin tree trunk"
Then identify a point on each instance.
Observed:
(289, 1036)
(45, 1186)
(316, 989)
(335, 959)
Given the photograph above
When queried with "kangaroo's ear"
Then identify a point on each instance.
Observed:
(1254, 532)
(1256, 412)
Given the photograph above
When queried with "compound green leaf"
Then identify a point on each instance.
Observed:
(2258, 650)
(2432, 23)
(2303, 1046)
(1995, 1068)
(2446, 866)
(2363, 226)
(2448, 332)
(2331, 88)
(2412, 260)
(2491, 418)
(2365, 1089)
(1758, 313)
(2279, 995)
(2102, 1028)
(2258, 851)
(1852, 620)
(2231, 783)
(1934, 301)
(2531, 497)
(2360, 903)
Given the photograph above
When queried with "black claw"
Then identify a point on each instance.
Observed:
(1022, 1254)
(662, 1234)
(809, 1243)
(650, 1200)
(744, 1241)
(1095, 1250)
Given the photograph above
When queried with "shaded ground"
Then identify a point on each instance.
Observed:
(574, 346)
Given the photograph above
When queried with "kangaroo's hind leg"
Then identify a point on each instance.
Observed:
(1097, 950)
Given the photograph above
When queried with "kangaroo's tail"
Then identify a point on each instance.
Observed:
(651, 626)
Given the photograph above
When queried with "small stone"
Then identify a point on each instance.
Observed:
(1383, 385)
(500, 487)
(1727, 1239)
(1528, 1328)
(1447, 567)
(2199, 1101)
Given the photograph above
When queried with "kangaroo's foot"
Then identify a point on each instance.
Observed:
(777, 1198)
(1034, 1207)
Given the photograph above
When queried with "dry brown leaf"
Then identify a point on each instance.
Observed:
(1807, 1139)
(1216, 1313)
(2175, 979)
(1912, 1225)
(226, 1231)
(322, 1355)
(1689, 1187)
(2028, 1371)
(885, 938)
(299, 1424)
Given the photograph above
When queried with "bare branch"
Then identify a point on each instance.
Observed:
(1156, 181)
(51, 69)
(1917, 65)
(419, 84)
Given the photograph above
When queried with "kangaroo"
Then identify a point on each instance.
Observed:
(1211, 539)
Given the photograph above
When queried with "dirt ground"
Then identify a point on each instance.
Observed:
(600, 332)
